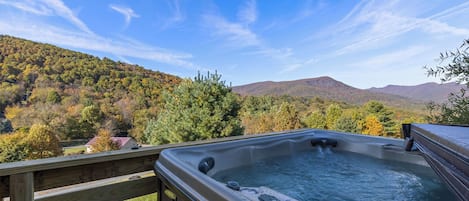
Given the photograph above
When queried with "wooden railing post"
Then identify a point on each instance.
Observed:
(22, 187)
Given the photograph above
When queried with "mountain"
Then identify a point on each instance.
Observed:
(424, 92)
(323, 87)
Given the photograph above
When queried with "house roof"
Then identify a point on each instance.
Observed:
(120, 140)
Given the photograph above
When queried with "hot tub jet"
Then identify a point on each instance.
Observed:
(323, 142)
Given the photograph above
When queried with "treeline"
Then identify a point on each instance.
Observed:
(268, 114)
(205, 108)
(49, 94)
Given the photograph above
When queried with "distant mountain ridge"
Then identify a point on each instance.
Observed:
(427, 92)
(329, 88)
(323, 87)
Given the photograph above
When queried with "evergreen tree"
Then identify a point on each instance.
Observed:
(346, 124)
(196, 110)
(384, 115)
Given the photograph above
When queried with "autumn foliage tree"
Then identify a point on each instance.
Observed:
(13, 147)
(42, 142)
(315, 120)
(104, 142)
(286, 117)
(333, 113)
(372, 126)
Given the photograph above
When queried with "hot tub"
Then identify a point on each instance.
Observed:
(222, 171)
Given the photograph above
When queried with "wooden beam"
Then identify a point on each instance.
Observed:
(114, 191)
(48, 179)
(22, 187)
(84, 159)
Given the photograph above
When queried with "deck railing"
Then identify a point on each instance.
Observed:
(102, 176)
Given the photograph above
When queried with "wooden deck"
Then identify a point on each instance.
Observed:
(24, 181)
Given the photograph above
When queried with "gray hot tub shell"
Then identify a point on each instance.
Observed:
(179, 166)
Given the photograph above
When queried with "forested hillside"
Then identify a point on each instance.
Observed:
(73, 93)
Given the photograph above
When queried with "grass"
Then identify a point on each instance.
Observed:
(73, 150)
(149, 197)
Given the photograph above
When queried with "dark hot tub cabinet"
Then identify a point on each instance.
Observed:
(184, 173)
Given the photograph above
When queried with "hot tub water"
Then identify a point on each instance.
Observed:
(324, 174)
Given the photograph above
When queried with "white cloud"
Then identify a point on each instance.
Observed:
(49, 8)
(239, 35)
(177, 14)
(236, 34)
(126, 11)
(281, 54)
(392, 60)
(248, 13)
(29, 6)
(370, 23)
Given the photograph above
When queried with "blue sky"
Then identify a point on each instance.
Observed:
(362, 43)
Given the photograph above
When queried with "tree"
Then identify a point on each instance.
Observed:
(9, 94)
(104, 142)
(384, 115)
(91, 114)
(453, 66)
(53, 97)
(255, 105)
(13, 148)
(455, 111)
(42, 142)
(315, 120)
(372, 126)
(262, 122)
(333, 113)
(286, 117)
(347, 123)
(196, 110)
(257, 114)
